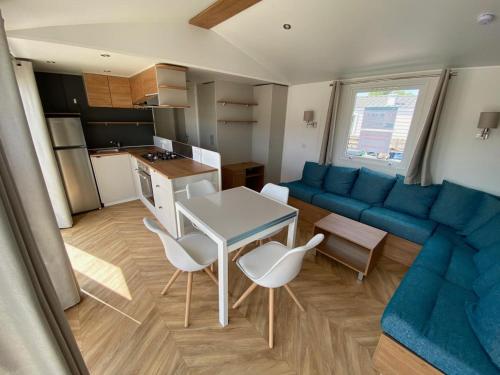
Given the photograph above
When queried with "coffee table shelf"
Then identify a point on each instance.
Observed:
(354, 244)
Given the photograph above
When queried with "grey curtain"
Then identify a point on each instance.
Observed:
(419, 168)
(326, 153)
(36, 279)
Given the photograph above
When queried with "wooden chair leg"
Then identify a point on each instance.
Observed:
(188, 298)
(171, 281)
(245, 295)
(212, 266)
(238, 253)
(212, 276)
(294, 297)
(261, 242)
(271, 317)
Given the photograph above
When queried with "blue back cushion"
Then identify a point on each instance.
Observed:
(455, 205)
(313, 174)
(486, 235)
(486, 281)
(339, 180)
(372, 187)
(415, 200)
(484, 317)
(485, 258)
(489, 207)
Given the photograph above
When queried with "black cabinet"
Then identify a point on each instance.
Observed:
(61, 93)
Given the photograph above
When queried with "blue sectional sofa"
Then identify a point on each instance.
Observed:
(447, 307)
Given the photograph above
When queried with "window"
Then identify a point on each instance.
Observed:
(381, 121)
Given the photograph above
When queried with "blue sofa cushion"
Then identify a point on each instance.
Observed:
(436, 254)
(487, 257)
(488, 208)
(313, 174)
(301, 191)
(415, 200)
(402, 225)
(344, 206)
(427, 315)
(486, 281)
(486, 235)
(455, 205)
(450, 233)
(372, 187)
(339, 180)
(484, 318)
(461, 270)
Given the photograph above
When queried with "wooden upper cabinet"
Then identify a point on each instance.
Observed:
(97, 89)
(119, 88)
(136, 89)
(149, 82)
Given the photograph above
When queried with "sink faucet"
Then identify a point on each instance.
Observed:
(117, 144)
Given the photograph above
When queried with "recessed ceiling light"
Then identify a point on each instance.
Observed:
(287, 26)
(105, 55)
(50, 62)
(486, 18)
(107, 71)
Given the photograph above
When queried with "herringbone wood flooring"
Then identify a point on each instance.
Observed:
(124, 326)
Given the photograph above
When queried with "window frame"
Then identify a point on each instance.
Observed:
(426, 87)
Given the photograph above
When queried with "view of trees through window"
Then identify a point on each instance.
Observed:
(380, 123)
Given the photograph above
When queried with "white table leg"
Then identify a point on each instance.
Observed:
(223, 283)
(180, 223)
(292, 231)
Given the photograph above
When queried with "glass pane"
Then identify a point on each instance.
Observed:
(380, 124)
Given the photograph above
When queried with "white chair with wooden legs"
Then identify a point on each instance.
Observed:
(274, 265)
(278, 193)
(200, 188)
(190, 253)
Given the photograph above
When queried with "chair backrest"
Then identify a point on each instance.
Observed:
(174, 252)
(199, 188)
(276, 192)
(289, 265)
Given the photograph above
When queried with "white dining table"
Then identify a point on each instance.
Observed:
(233, 218)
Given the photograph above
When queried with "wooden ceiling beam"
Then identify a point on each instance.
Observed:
(220, 11)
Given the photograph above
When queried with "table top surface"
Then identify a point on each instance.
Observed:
(352, 230)
(238, 213)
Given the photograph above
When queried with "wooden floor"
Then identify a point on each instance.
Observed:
(124, 326)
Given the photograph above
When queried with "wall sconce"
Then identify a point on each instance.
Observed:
(487, 121)
(309, 119)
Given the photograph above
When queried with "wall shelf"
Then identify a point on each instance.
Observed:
(106, 123)
(237, 121)
(246, 104)
(172, 87)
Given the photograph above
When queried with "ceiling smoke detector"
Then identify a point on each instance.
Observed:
(486, 18)
(287, 26)
(105, 55)
(50, 62)
(107, 71)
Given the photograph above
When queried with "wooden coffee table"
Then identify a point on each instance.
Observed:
(354, 244)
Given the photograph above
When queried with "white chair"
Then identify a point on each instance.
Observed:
(278, 193)
(200, 188)
(190, 253)
(273, 265)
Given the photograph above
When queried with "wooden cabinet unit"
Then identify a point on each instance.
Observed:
(119, 88)
(247, 174)
(97, 89)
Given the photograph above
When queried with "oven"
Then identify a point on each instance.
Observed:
(146, 185)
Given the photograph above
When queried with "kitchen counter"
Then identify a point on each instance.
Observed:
(171, 169)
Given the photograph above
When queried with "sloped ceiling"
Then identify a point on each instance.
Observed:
(328, 38)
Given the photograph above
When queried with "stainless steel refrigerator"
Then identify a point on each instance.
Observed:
(72, 157)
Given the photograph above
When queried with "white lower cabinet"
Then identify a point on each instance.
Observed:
(115, 182)
(164, 202)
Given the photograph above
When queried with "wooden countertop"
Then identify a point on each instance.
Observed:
(181, 167)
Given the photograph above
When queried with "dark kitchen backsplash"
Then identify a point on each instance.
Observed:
(65, 93)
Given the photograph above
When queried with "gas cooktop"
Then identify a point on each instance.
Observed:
(160, 155)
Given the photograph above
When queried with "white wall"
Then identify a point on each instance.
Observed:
(303, 143)
(458, 156)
